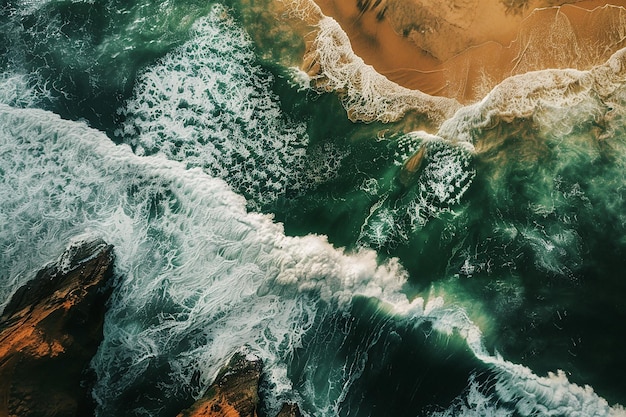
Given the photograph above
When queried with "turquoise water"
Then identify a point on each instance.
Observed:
(247, 209)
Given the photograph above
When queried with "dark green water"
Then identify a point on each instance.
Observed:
(519, 226)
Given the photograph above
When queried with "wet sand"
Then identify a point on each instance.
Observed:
(463, 48)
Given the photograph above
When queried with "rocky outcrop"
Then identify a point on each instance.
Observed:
(49, 332)
(235, 392)
(52, 327)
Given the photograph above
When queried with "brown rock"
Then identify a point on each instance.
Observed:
(234, 393)
(290, 410)
(49, 332)
(411, 168)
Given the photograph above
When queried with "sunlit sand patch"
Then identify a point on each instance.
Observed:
(389, 59)
(552, 38)
(368, 96)
(462, 49)
(595, 94)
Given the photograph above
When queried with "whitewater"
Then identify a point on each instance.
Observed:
(184, 186)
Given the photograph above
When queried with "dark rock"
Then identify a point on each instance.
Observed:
(290, 410)
(235, 391)
(49, 332)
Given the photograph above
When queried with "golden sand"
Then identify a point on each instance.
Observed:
(462, 48)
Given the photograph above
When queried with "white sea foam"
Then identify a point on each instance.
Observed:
(17, 90)
(201, 276)
(26, 7)
(529, 95)
(516, 386)
(299, 79)
(444, 181)
(366, 95)
(209, 104)
(436, 189)
(475, 402)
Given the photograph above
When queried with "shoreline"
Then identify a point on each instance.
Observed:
(445, 56)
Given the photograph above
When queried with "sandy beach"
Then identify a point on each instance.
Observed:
(463, 48)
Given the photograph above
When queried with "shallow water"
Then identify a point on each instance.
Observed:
(250, 205)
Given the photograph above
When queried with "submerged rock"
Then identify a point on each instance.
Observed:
(49, 332)
(412, 167)
(235, 392)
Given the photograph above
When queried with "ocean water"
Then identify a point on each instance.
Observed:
(384, 252)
